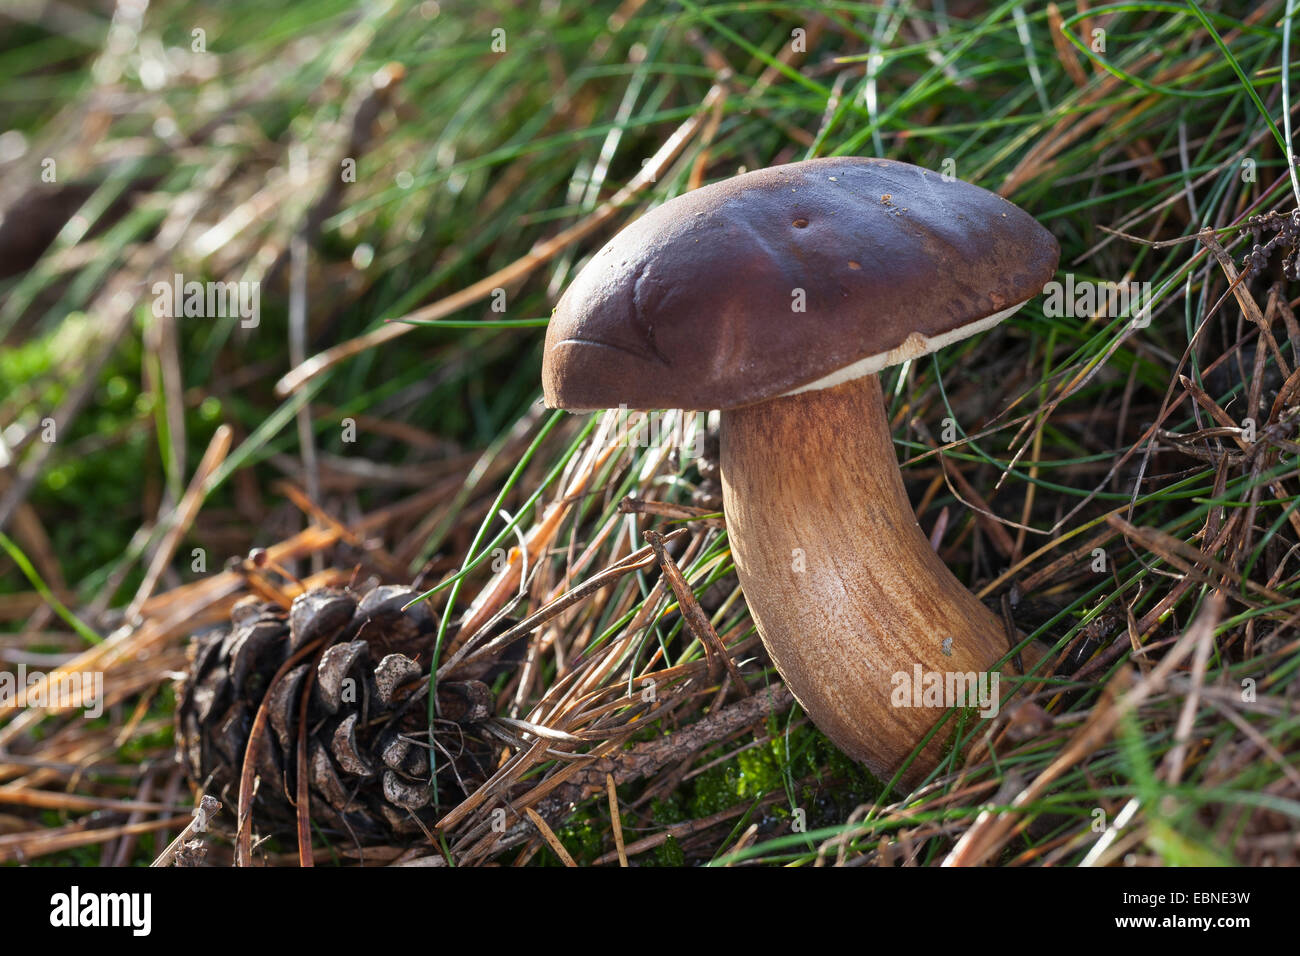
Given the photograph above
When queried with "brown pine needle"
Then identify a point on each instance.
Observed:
(549, 836)
(615, 820)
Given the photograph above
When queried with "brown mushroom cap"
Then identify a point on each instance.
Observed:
(691, 306)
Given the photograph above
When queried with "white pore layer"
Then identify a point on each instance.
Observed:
(914, 346)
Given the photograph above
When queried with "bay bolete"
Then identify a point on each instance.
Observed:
(776, 296)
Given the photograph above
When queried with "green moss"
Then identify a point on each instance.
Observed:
(669, 853)
(583, 838)
(749, 775)
(835, 785)
(665, 812)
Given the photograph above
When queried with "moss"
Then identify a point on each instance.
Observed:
(670, 853)
(715, 790)
(748, 775)
(583, 838)
(665, 812)
(834, 783)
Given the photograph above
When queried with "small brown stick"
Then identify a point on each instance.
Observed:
(207, 808)
(715, 651)
(666, 509)
(745, 840)
(615, 820)
(1134, 634)
(51, 800)
(23, 846)
(549, 835)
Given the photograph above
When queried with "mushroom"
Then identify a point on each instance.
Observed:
(776, 296)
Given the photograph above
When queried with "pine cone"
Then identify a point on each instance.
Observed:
(367, 714)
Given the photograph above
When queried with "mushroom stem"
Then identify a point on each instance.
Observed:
(842, 583)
